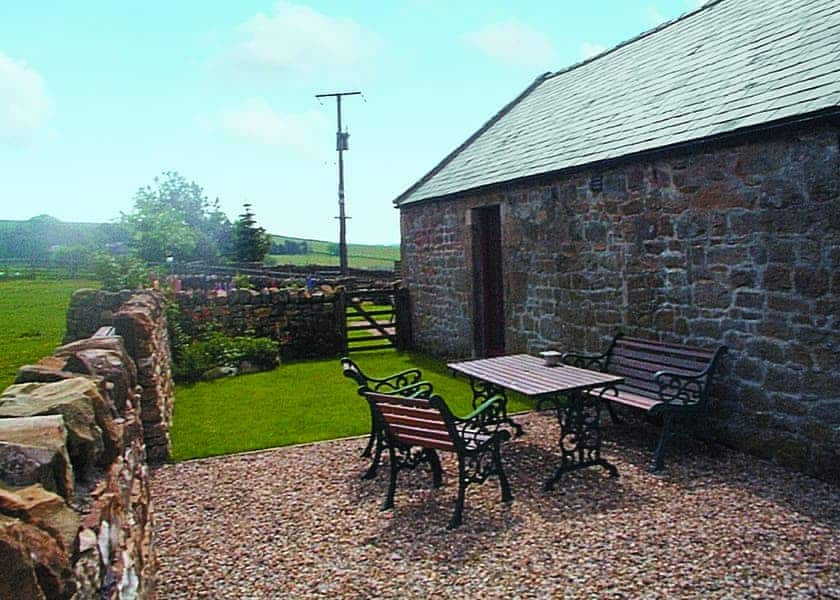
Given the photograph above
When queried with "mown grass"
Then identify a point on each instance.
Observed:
(299, 402)
(33, 317)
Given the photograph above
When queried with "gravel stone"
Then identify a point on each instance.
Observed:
(297, 522)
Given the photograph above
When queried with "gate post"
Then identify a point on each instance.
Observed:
(402, 306)
(341, 317)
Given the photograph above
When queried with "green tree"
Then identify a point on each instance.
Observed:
(173, 217)
(73, 258)
(250, 242)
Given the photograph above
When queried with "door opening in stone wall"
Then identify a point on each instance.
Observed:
(489, 323)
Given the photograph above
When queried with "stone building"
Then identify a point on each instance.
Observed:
(683, 186)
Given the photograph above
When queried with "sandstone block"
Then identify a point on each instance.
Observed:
(75, 400)
(112, 366)
(33, 450)
(34, 564)
(42, 374)
(40, 507)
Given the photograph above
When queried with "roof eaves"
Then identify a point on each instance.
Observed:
(830, 114)
(495, 118)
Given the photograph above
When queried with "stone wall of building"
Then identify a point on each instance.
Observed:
(306, 324)
(75, 506)
(735, 244)
(139, 317)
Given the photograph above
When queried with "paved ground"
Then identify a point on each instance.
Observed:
(299, 523)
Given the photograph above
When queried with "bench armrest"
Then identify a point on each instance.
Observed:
(687, 389)
(681, 389)
(584, 360)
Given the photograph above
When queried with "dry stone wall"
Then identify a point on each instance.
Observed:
(306, 324)
(735, 244)
(139, 319)
(75, 505)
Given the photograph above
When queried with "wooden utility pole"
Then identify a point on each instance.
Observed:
(341, 145)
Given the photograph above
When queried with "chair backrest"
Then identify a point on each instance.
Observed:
(638, 360)
(415, 421)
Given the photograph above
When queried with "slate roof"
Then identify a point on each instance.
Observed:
(728, 65)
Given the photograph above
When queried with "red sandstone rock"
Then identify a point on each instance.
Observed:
(34, 566)
(74, 399)
(33, 450)
(36, 506)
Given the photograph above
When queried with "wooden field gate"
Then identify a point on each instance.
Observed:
(376, 315)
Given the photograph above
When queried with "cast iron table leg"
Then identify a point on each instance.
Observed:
(580, 436)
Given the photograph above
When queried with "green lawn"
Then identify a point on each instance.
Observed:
(32, 321)
(299, 402)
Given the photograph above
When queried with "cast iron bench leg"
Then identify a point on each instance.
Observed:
(377, 457)
(664, 438)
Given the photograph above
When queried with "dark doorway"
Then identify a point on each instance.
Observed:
(489, 292)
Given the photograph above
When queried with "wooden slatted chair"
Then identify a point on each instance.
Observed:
(416, 428)
(666, 380)
(404, 383)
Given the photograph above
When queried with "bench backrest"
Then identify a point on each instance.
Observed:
(416, 421)
(638, 360)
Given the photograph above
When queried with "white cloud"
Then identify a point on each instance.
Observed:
(255, 121)
(590, 49)
(514, 43)
(653, 16)
(25, 105)
(297, 38)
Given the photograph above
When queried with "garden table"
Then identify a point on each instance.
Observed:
(579, 416)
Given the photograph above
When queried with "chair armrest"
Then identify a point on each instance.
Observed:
(583, 360)
(481, 409)
(485, 419)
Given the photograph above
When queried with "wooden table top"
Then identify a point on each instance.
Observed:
(529, 375)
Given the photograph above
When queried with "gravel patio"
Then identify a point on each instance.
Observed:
(297, 522)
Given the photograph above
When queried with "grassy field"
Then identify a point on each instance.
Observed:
(299, 402)
(32, 321)
(359, 256)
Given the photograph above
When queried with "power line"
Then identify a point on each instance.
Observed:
(341, 139)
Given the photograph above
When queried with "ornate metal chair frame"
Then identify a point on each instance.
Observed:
(404, 383)
(475, 439)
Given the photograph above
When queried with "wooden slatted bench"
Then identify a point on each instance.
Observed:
(663, 379)
(416, 428)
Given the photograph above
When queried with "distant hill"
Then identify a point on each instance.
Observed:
(35, 238)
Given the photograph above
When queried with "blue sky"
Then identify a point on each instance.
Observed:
(99, 97)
